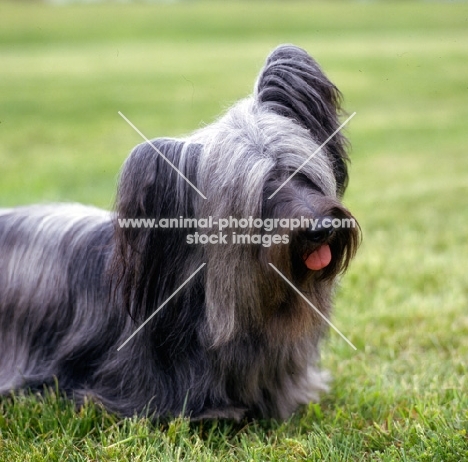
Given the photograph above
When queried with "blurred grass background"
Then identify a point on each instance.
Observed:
(65, 72)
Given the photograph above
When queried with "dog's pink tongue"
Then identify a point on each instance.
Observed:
(319, 259)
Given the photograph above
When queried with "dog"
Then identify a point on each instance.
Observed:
(147, 321)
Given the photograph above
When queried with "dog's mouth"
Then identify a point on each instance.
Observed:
(319, 258)
(317, 254)
(326, 247)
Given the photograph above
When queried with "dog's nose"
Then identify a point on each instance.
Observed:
(320, 233)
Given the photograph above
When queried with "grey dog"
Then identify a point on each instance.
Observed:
(224, 335)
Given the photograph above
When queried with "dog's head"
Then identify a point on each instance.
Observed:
(293, 86)
(256, 161)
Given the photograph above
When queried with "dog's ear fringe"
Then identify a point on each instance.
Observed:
(150, 188)
(293, 85)
(148, 182)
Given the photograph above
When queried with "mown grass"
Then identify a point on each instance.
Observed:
(66, 71)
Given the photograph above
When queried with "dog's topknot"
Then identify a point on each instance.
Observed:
(293, 85)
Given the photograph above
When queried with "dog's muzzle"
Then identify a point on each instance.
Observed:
(318, 236)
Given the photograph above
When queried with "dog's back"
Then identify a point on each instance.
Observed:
(48, 255)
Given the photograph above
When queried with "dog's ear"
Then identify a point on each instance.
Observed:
(150, 189)
(292, 85)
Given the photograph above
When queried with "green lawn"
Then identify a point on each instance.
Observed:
(65, 72)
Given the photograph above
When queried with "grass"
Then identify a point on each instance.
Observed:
(66, 71)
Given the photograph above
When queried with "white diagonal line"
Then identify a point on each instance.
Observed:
(161, 306)
(162, 155)
(315, 152)
(312, 305)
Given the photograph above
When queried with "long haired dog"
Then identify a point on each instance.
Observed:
(228, 339)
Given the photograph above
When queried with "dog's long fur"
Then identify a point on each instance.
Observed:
(236, 340)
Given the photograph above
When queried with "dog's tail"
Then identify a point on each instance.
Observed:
(293, 85)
